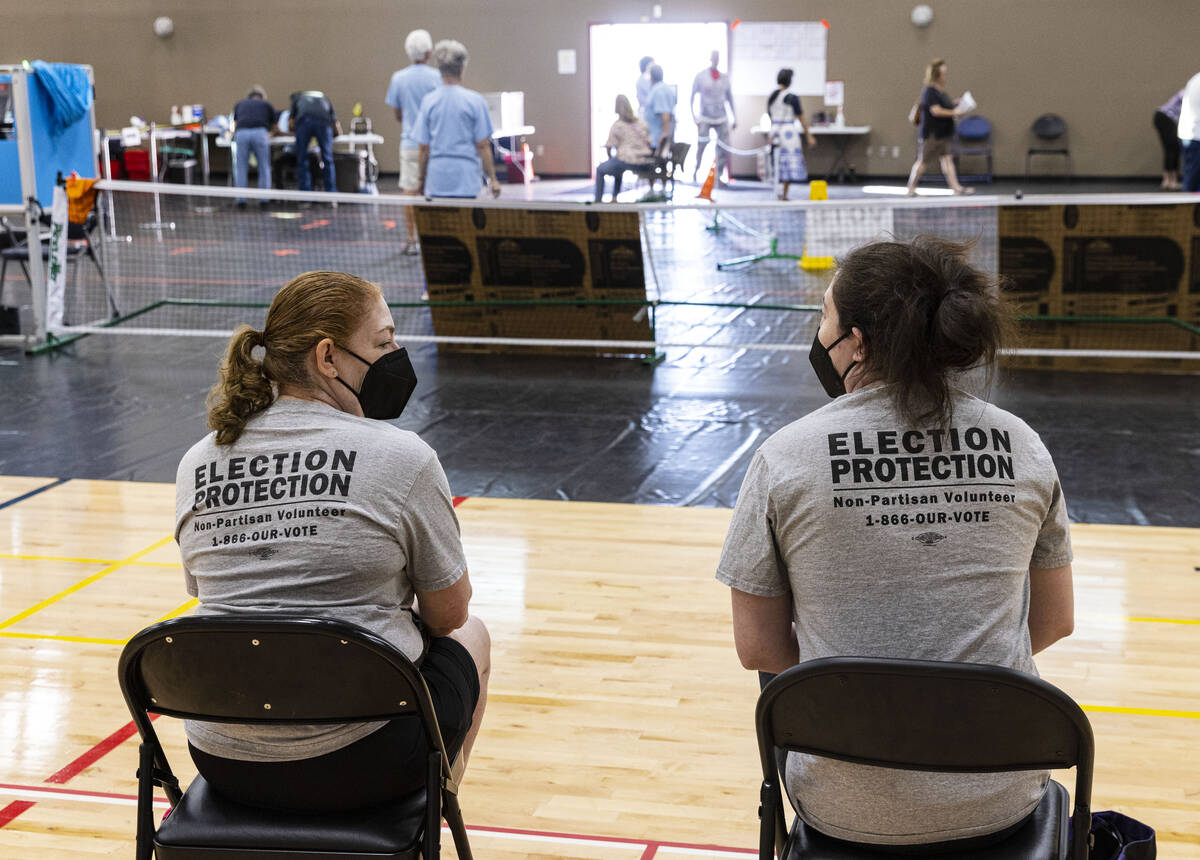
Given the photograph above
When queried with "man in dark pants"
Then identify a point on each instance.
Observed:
(311, 117)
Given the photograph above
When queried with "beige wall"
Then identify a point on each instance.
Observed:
(1102, 64)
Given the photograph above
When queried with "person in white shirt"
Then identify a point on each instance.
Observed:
(715, 93)
(1189, 134)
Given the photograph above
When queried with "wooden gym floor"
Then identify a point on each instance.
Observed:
(619, 724)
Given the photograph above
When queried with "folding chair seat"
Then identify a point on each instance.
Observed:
(273, 670)
(922, 715)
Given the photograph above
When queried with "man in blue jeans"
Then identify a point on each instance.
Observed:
(253, 119)
(311, 117)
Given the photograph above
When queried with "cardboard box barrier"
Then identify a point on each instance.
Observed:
(1103, 261)
(492, 256)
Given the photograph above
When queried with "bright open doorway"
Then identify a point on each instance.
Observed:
(681, 49)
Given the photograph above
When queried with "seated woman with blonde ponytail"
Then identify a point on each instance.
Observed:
(905, 519)
(304, 500)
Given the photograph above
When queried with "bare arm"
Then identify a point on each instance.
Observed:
(445, 610)
(808, 135)
(668, 127)
(938, 110)
(1051, 606)
(763, 633)
(422, 166)
(484, 148)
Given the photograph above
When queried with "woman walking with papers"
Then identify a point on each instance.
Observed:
(935, 113)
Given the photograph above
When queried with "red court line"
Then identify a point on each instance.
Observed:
(14, 809)
(651, 845)
(458, 500)
(94, 755)
(76, 767)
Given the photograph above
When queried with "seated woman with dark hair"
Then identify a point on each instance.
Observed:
(305, 501)
(906, 519)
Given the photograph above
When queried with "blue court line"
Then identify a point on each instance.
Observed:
(31, 493)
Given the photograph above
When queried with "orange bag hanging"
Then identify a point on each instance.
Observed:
(81, 198)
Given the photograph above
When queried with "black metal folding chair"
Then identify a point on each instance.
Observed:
(79, 244)
(279, 669)
(921, 715)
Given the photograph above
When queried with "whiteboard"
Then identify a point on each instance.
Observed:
(761, 48)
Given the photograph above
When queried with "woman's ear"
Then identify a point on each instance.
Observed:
(323, 353)
(860, 349)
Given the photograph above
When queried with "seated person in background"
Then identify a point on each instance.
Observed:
(906, 519)
(454, 132)
(304, 430)
(311, 117)
(253, 120)
(628, 148)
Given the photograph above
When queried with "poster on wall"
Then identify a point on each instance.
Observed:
(534, 274)
(761, 48)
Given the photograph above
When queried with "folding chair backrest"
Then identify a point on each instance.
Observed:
(926, 716)
(974, 129)
(269, 670)
(1049, 126)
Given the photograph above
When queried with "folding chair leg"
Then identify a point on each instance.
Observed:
(145, 803)
(432, 847)
(458, 829)
(112, 301)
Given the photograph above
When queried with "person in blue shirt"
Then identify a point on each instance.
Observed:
(253, 120)
(407, 89)
(643, 84)
(660, 112)
(454, 132)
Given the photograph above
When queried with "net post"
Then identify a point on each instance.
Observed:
(24, 126)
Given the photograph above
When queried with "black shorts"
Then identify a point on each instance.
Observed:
(384, 766)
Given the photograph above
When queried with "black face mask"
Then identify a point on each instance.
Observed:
(833, 382)
(385, 389)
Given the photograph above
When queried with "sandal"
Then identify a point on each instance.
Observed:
(964, 191)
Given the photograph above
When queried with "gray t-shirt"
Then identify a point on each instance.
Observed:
(909, 542)
(714, 92)
(313, 511)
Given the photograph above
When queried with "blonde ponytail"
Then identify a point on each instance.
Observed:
(243, 389)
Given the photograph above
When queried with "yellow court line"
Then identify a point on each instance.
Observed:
(92, 640)
(1141, 712)
(75, 560)
(175, 613)
(83, 583)
(86, 640)
(1166, 620)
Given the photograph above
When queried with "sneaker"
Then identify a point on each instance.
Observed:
(241, 204)
(411, 249)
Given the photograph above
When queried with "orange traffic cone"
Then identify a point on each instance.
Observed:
(707, 187)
